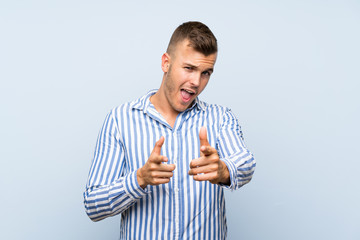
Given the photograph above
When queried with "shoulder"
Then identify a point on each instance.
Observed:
(218, 113)
(127, 108)
(213, 108)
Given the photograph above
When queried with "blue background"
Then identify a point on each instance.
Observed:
(288, 69)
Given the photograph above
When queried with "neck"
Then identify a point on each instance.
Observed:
(162, 106)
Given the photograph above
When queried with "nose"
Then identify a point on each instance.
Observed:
(195, 80)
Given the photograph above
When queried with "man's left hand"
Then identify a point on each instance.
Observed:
(209, 167)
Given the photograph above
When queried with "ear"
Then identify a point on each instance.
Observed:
(165, 62)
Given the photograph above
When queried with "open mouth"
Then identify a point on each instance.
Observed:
(187, 94)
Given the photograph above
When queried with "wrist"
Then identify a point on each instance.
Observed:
(140, 179)
(225, 174)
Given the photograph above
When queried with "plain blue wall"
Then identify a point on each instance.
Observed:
(288, 69)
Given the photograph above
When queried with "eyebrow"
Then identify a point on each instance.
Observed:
(195, 67)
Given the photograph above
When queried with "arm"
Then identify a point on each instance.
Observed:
(234, 153)
(110, 190)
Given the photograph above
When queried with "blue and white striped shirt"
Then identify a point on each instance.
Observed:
(182, 208)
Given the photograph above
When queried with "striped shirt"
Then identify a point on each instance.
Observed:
(182, 208)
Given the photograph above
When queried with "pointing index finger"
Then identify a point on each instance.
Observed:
(158, 145)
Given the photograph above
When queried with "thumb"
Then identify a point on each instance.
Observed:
(203, 137)
(158, 145)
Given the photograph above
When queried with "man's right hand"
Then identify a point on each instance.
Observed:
(155, 172)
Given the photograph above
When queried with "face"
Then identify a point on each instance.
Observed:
(187, 73)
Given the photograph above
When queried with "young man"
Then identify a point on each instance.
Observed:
(163, 160)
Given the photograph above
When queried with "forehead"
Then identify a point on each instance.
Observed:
(184, 53)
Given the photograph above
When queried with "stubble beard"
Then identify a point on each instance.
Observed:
(170, 90)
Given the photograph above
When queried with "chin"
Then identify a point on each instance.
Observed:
(179, 108)
(183, 108)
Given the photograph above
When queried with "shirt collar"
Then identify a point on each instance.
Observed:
(144, 102)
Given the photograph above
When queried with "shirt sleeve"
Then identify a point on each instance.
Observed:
(110, 189)
(233, 151)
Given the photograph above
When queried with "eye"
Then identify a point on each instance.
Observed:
(206, 73)
(188, 68)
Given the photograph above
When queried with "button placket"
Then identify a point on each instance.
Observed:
(176, 186)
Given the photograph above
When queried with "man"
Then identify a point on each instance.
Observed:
(163, 160)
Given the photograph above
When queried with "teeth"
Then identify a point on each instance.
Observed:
(188, 91)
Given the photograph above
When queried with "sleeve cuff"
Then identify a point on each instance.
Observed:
(132, 186)
(232, 170)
